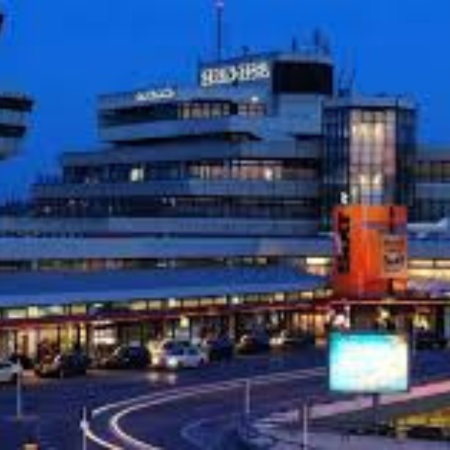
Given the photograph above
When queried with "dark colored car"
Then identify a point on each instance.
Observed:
(286, 340)
(127, 357)
(25, 362)
(429, 340)
(219, 349)
(63, 365)
(253, 343)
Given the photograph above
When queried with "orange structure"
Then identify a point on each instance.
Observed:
(370, 251)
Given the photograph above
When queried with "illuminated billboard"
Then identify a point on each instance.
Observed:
(368, 363)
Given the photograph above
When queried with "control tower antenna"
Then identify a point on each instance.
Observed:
(220, 7)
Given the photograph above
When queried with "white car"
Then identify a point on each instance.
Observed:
(179, 357)
(9, 371)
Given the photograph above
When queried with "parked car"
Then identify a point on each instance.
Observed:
(159, 348)
(25, 361)
(178, 356)
(253, 343)
(62, 365)
(218, 349)
(9, 371)
(286, 340)
(126, 357)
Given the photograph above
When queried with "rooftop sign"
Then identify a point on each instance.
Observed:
(154, 95)
(244, 72)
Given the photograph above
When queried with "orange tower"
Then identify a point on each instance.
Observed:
(370, 251)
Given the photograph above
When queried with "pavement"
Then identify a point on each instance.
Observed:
(282, 430)
(331, 441)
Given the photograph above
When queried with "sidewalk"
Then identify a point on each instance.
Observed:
(329, 441)
(282, 430)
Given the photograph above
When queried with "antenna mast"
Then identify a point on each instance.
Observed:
(220, 6)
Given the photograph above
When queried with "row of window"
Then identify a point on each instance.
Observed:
(189, 207)
(12, 116)
(34, 312)
(206, 170)
(433, 171)
(431, 210)
(180, 111)
(9, 144)
(93, 265)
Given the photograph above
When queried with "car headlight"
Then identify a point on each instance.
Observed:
(276, 341)
(172, 362)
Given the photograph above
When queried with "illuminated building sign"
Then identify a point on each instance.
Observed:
(394, 254)
(153, 95)
(244, 72)
(368, 363)
(370, 251)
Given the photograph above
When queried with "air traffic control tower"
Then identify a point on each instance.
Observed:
(14, 112)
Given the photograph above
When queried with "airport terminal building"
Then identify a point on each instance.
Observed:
(208, 207)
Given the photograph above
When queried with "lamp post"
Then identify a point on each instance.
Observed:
(19, 392)
(305, 425)
(247, 398)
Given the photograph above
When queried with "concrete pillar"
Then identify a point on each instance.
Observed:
(447, 322)
(4, 344)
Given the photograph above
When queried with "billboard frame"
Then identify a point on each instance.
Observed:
(385, 333)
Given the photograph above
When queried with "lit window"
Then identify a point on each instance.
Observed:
(269, 174)
(137, 174)
(172, 303)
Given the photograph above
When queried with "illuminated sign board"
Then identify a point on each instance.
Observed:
(394, 256)
(153, 95)
(244, 72)
(368, 363)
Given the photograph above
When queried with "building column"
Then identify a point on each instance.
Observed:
(4, 344)
(89, 344)
(233, 329)
(446, 313)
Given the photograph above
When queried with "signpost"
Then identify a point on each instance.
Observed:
(84, 425)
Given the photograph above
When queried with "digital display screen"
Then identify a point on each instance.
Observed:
(368, 363)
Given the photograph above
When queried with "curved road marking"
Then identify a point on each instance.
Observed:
(147, 401)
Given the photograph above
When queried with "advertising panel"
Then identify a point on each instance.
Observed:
(394, 258)
(368, 363)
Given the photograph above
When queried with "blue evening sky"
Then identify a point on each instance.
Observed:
(65, 52)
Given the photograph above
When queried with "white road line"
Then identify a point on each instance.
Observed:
(256, 380)
(195, 391)
(149, 400)
(92, 437)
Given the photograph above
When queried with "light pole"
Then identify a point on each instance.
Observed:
(305, 426)
(19, 393)
(247, 397)
(84, 425)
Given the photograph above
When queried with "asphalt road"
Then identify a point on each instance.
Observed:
(53, 407)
